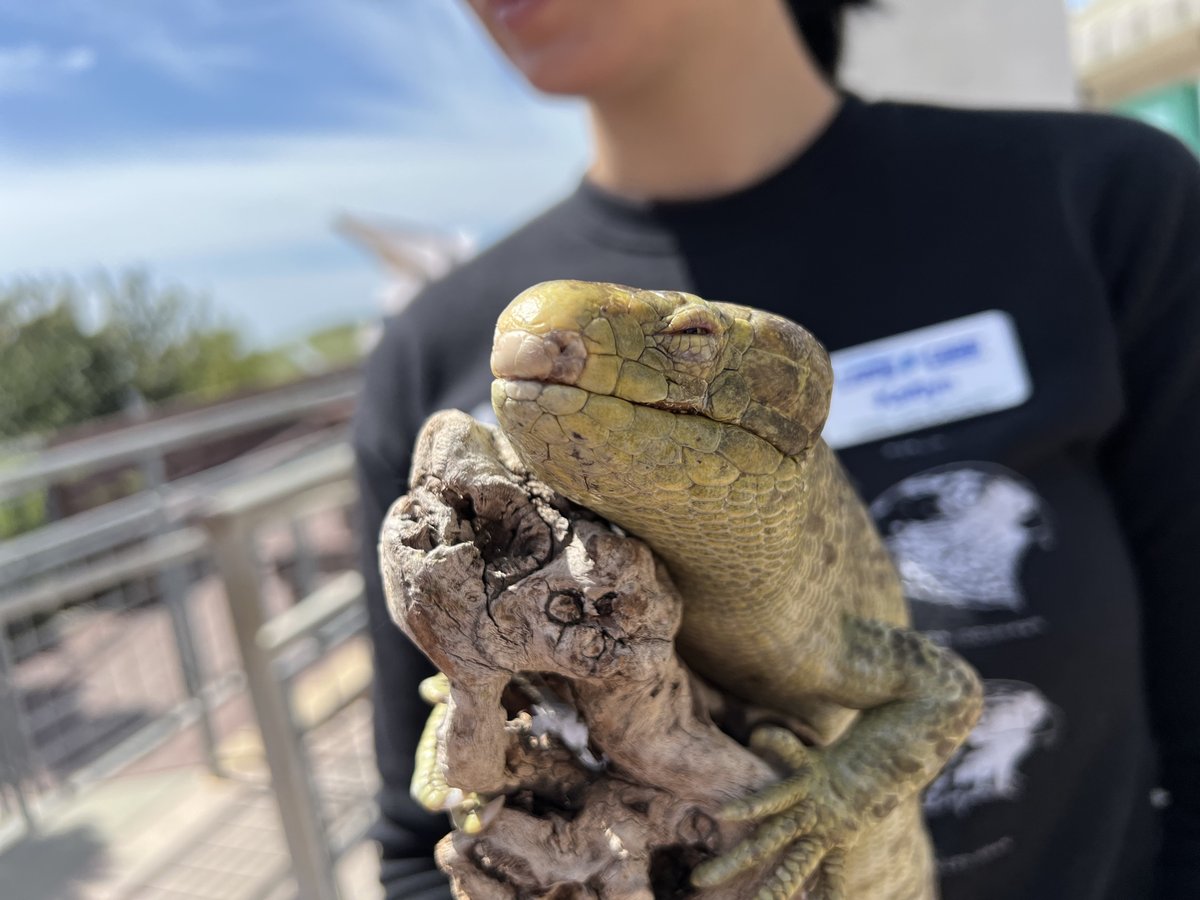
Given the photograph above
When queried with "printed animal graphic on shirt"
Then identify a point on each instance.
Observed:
(1017, 720)
(960, 533)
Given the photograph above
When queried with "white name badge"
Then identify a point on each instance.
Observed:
(944, 373)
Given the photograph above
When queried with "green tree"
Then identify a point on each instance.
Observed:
(171, 344)
(155, 341)
(52, 371)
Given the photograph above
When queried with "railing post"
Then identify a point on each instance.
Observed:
(305, 565)
(312, 862)
(173, 589)
(16, 742)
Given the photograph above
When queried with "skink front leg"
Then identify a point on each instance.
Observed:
(919, 702)
(470, 811)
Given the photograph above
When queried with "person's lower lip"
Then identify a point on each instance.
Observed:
(514, 13)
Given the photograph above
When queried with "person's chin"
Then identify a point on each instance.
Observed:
(559, 84)
(560, 71)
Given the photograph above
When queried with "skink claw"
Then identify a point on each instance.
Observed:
(806, 824)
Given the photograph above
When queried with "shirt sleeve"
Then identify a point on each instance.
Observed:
(386, 422)
(1150, 246)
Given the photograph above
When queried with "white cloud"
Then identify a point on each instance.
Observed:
(19, 66)
(251, 218)
(244, 193)
(34, 67)
(462, 145)
(172, 38)
(445, 73)
(78, 59)
(197, 65)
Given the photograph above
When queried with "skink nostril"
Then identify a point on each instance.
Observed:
(558, 356)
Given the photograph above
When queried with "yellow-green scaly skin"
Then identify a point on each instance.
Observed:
(695, 426)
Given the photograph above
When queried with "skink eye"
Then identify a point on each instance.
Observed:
(691, 322)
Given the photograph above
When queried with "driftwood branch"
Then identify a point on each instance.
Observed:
(503, 583)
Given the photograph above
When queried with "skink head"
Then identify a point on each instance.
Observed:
(666, 350)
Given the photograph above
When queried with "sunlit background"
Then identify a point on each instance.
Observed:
(206, 208)
(212, 143)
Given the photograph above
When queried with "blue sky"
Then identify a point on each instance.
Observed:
(214, 141)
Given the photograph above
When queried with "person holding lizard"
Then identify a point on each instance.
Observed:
(1011, 300)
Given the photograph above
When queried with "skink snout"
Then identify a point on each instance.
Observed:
(557, 357)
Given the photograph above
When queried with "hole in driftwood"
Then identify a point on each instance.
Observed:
(564, 805)
(669, 870)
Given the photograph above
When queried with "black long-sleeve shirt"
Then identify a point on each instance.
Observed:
(1048, 537)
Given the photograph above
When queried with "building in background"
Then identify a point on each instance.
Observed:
(411, 256)
(1011, 53)
(1142, 58)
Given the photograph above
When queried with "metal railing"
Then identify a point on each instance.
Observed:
(125, 561)
(70, 694)
(122, 626)
(153, 439)
(263, 641)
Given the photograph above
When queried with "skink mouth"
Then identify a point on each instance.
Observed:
(530, 389)
(558, 358)
(548, 370)
(525, 389)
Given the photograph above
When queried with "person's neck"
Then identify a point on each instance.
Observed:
(719, 121)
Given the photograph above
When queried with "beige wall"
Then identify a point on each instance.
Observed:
(973, 52)
(1127, 47)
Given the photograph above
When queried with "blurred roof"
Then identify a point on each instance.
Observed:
(1123, 48)
(412, 256)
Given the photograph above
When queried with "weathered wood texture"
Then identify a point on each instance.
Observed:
(494, 576)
